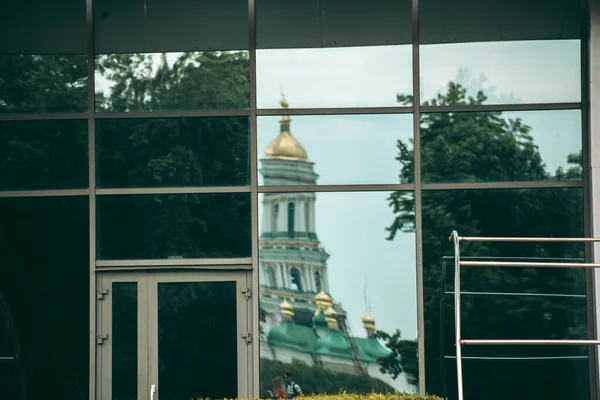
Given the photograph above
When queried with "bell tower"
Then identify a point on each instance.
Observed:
(293, 265)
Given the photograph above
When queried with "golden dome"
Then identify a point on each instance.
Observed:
(369, 324)
(285, 146)
(287, 310)
(368, 318)
(323, 302)
(331, 318)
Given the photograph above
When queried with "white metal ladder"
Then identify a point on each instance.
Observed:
(456, 239)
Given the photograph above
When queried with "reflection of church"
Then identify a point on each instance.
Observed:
(301, 321)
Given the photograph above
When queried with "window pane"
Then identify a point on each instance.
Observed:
(496, 146)
(321, 291)
(168, 55)
(173, 152)
(197, 321)
(333, 149)
(124, 340)
(32, 155)
(43, 83)
(509, 50)
(174, 226)
(43, 66)
(334, 53)
(516, 212)
(44, 281)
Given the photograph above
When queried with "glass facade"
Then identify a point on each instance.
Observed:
(281, 178)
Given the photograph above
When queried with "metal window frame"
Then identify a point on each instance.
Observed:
(92, 191)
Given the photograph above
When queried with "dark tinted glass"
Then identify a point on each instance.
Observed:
(524, 213)
(333, 149)
(124, 340)
(44, 280)
(166, 55)
(511, 50)
(336, 53)
(497, 146)
(43, 155)
(316, 251)
(173, 152)
(43, 66)
(43, 83)
(197, 321)
(163, 226)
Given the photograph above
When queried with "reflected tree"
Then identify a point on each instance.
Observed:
(468, 147)
(402, 357)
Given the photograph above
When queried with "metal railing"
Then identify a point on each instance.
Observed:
(458, 263)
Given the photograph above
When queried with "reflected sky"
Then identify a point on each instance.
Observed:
(351, 228)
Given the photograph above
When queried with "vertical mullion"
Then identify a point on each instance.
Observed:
(585, 39)
(418, 202)
(92, 197)
(254, 361)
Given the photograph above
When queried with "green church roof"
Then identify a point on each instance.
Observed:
(305, 340)
(293, 336)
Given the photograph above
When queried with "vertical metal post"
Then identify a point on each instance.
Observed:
(418, 196)
(255, 314)
(459, 375)
(93, 362)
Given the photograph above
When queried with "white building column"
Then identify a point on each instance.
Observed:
(267, 213)
(300, 219)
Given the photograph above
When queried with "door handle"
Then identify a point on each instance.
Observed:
(152, 391)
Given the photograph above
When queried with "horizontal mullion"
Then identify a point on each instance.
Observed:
(501, 107)
(44, 116)
(44, 193)
(178, 262)
(175, 190)
(532, 342)
(335, 111)
(172, 114)
(337, 188)
(502, 185)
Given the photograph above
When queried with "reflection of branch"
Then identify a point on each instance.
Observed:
(402, 357)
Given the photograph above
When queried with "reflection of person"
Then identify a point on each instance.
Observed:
(293, 390)
(278, 388)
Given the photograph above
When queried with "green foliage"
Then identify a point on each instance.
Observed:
(469, 147)
(315, 379)
(372, 396)
(402, 358)
(44, 84)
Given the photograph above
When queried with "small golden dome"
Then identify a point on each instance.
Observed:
(323, 302)
(287, 311)
(323, 296)
(331, 318)
(285, 305)
(369, 324)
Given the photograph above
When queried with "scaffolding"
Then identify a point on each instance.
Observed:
(458, 263)
(352, 347)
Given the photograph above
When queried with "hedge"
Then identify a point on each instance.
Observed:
(371, 396)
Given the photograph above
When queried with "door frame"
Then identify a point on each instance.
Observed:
(147, 322)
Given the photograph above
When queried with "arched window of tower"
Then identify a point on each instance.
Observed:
(291, 227)
(272, 280)
(274, 218)
(318, 281)
(296, 280)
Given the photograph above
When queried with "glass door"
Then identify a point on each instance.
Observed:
(173, 335)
